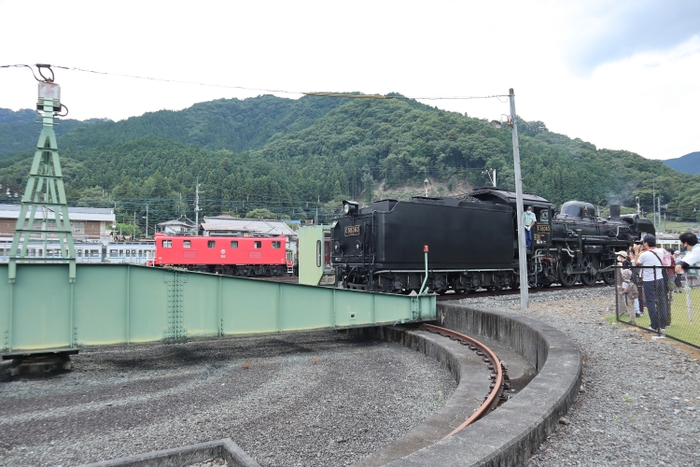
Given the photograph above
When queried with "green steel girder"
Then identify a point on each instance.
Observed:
(118, 304)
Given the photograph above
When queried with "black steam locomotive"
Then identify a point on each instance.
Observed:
(472, 243)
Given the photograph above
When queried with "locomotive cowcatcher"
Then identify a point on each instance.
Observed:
(473, 244)
(231, 255)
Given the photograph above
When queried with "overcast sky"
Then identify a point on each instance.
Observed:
(621, 74)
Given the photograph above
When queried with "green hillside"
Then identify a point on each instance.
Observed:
(296, 156)
(236, 125)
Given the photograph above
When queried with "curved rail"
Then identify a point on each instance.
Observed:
(499, 379)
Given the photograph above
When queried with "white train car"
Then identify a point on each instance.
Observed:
(87, 252)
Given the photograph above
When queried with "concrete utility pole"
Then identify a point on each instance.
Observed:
(147, 221)
(519, 206)
(196, 207)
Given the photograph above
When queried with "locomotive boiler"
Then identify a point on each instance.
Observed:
(472, 243)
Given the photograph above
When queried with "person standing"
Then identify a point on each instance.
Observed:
(653, 282)
(529, 220)
(677, 278)
(629, 293)
(623, 264)
(689, 241)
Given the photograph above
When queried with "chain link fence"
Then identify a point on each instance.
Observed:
(660, 301)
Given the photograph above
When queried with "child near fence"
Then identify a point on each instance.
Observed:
(629, 291)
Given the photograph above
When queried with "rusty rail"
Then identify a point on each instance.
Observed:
(499, 379)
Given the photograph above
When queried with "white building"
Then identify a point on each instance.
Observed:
(87, 224)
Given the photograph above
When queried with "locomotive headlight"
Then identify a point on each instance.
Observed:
(336, 246)
(350, 208)
(358, 245)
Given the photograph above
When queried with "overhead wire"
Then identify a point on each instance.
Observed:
(245, 88)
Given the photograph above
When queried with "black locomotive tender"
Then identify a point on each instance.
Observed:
(473, 243)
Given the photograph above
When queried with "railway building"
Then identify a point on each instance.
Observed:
(88, 224)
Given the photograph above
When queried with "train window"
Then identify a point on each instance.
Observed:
(257, 244)
(167, 244)
(186, 244)
(128, 253)
(276, 244)
(211, 244)
(95, 253)
(318, 253)
(544, 215)
(78, 253)
(234, 243)
(121, 253)
(113, 253)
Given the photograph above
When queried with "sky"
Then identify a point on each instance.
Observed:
(621, 74)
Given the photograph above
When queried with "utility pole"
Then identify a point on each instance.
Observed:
(519, 206)
(196, 207)
(133, 232)
(147, 221)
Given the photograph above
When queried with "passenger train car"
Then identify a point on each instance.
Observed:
(472, 243)
(87, 252)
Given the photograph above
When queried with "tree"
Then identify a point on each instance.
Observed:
(261, 214)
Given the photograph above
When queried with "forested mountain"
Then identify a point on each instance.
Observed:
(236, 125)
(296, 156)
(19, 130)
(690, 163)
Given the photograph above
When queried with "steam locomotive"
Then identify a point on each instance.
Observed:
(472, 243)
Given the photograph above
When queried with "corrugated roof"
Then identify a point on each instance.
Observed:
(255, 226)
(11, 211)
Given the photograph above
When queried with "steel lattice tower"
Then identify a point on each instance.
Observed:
(44, 212)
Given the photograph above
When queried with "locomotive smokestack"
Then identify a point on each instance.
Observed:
(615, 211)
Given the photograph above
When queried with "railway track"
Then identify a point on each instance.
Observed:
(499, 374)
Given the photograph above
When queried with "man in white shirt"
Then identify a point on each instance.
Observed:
(653, 281)
(690, 244)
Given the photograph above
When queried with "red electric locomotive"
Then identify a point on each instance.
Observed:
(235, 256)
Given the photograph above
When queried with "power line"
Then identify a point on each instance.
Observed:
(245, 88)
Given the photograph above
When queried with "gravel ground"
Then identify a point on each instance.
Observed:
(329, 399)
(324, 398)
(639, 401)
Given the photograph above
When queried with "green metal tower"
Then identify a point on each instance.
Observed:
(44, 198)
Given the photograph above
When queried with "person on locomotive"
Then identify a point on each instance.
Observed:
(653, 282)
(529, 220)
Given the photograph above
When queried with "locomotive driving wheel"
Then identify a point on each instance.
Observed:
(590, 264)
(609, 276)
(566, 278)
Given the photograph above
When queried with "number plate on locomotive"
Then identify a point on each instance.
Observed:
(352, 231)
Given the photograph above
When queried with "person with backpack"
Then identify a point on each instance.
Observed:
(653, 282)
(629, 292)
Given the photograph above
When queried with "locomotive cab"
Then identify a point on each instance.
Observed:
(542, 208)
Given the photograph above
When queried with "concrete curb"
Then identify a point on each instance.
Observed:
(177, 457)
(508, 436)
